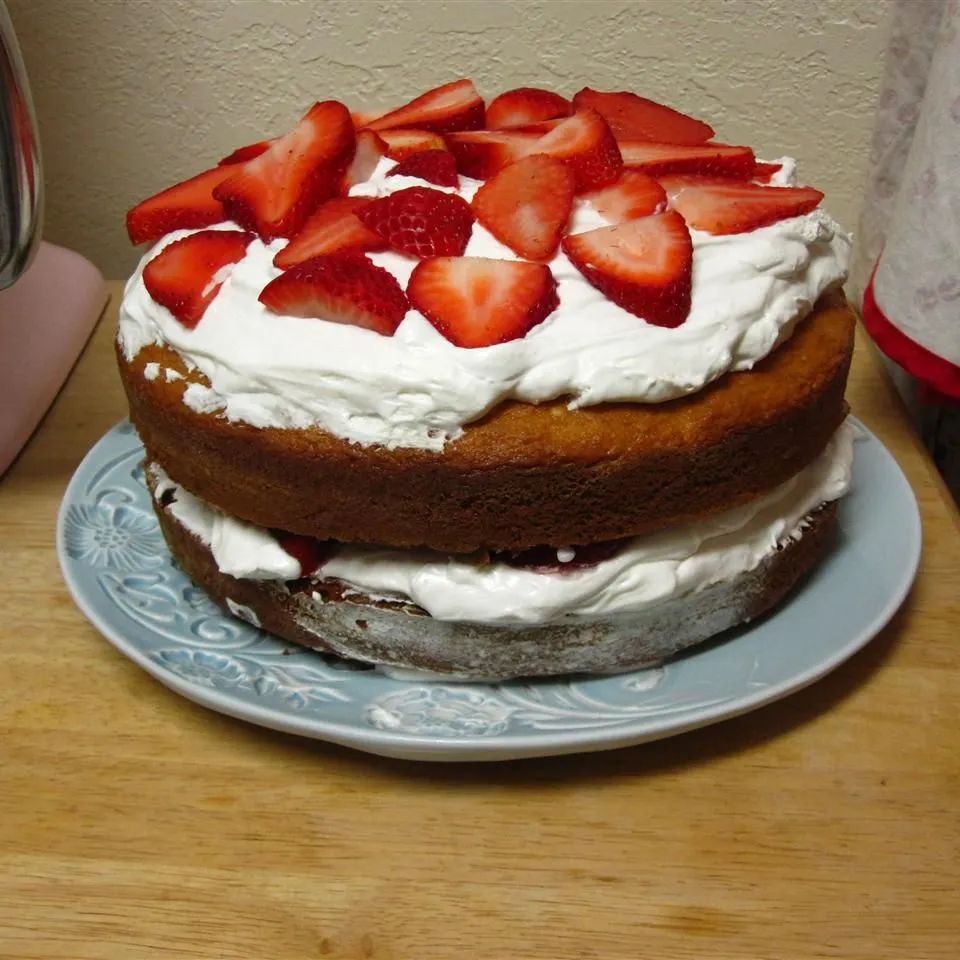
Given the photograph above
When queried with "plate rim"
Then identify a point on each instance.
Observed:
(508, 745)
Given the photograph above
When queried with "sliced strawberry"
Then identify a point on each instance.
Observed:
(482, 153)
(242, 154)
(186, 206)
(341, 288)
(333, 228)
(526, 105)
(584, 142)
(633, 194)
(730, 206)
(361, 118)
(635, 118)
(708, 159)
(421, 221)
(370, 150)
(309, 552)
(187, 274)
(434, 166)
(454, 106)
(527, 205)
(401, 143)
(275, 192)
(644, 265)
(475, 302)
(538, 126)
(763, 172)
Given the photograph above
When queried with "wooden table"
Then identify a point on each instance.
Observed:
(136, 825)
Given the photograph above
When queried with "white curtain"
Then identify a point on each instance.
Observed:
(909, 236)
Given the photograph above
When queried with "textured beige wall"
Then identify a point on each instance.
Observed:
(133, 95)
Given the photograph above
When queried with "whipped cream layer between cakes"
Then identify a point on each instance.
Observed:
(417, 390)
(645, 572)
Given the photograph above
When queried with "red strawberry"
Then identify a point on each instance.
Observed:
(454, 106)
(527, 205)
(634, 194)
(342, 288)
(710, 159)
(730, 206)
(186, 206)
(763, 172)
(242, 154)
(333, 228)
(186, 275)
(434, 166)
(525, 105)
(401, 143)
(584, 142)
(644, 265)
(475, 302)
(538, 126)
(421, 221)
(361, 118)
(309, 552)
(482, 153)
(370, 149)
(634, 118)
(275, 192)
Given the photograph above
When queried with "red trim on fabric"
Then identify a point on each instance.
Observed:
(937, 373)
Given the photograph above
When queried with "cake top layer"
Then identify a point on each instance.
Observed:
(417, 298)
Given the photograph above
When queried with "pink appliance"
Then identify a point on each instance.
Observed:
(50, 297)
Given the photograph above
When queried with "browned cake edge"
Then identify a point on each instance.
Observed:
(404, 637)
(524, 474)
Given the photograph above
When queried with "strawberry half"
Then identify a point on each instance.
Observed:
(361, 118)
(635, 118)
(333, 228)
(482, 153)
(538, 126)
(187, 274)
(633, 194)
(341, 288)
(186, 206)
(763, 172)
(309, 552)
(242, 154)
(527, 205)
(402, 143)
(708, 159)
(274, 193)
(434, 166)
(421, 221)
(584, 142)
(526, 105)
(475, 302)
(454, 106)
(644, 265)
(729, 206)
(369, 151)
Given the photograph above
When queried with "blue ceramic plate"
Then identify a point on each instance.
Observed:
(122, 577)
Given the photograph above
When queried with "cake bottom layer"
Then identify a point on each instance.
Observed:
(398, 635)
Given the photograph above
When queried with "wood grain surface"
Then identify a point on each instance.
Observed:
(135, 824)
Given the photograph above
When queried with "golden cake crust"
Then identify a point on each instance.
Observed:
(524, 474)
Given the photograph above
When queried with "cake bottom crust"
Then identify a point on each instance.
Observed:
(403, 637)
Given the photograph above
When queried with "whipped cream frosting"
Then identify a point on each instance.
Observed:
(416, 389)
(645, 572)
